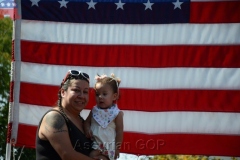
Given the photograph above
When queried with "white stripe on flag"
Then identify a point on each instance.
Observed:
(168, 122)
(147, 78)
(163, 34)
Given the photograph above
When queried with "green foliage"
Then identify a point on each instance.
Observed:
(24, 153)
(5, 62)
(179, 157)
(5, 57)
(6, 26)
(5, 68)
(184, 157)
(3, 129)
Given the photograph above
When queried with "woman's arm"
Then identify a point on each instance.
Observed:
(119, 133)
(54, 129)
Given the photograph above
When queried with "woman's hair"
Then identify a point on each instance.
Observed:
(113, 81)
(63, 86)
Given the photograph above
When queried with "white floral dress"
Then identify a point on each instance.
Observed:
(104, 129)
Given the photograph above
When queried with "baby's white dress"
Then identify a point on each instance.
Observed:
(104, 129)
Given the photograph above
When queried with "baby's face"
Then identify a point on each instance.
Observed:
(104, 95)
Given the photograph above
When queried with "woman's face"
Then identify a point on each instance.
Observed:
(76, 97)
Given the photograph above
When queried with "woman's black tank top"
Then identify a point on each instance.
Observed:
(80, 143)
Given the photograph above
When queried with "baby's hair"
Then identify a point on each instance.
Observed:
(113, 81)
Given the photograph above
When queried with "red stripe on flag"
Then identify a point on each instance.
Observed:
(49, 98)
(168, 100)
(226, 56)
(215, 12)
(26, 136)
(194, 144)
(199, 144)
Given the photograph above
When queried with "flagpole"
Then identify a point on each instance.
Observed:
(13, 114)
(8, 151)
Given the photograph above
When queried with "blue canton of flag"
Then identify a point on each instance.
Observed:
(108, 11)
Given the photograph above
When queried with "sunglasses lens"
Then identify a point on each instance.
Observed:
(85, 75)
(74, 72)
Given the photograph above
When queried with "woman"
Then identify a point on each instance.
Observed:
(60, 133)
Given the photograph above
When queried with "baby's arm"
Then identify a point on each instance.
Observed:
(87, 126)
(119, 133)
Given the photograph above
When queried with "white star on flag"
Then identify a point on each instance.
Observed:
(34, 2)
(63, 3)
(91, 4)
(148, 5)
(120, 5)
(177, 4)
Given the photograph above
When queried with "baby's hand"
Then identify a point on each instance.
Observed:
(116, 154)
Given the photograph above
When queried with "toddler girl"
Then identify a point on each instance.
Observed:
(105, 121)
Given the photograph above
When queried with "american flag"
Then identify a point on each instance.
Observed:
(178, 61)
(7, 8)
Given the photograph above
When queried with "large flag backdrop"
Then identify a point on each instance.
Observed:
(178, 60)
